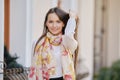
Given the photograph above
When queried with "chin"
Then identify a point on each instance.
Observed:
(55, 33)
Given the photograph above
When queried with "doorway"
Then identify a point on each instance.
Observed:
(6, 22)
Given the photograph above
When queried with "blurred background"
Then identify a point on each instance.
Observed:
(21, 23)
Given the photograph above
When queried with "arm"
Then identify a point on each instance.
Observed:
(70, 27)
(71, 24)
(68, 39)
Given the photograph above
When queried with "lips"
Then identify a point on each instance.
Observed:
(54, 29)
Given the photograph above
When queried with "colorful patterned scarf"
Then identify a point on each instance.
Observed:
(44, 64)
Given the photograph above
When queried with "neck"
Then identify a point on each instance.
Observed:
(56, 34)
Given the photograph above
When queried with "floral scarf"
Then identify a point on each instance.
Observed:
(44, 64)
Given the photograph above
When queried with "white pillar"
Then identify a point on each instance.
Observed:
(1, 36)
(28, 33)
(86, 30)
(18, 29)
(119, 34)
(21, 30)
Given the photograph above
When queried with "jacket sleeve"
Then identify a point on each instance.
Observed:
(70, 27)
(69, 43)
(68, 38)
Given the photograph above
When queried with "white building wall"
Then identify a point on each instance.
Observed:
(21, 30)
(1, 36)
(118, 6)
(113, 31)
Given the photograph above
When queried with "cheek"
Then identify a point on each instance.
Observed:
(48, 25)
(60, 29)
(49, 28)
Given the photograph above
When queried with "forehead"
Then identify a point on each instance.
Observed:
(53, 16)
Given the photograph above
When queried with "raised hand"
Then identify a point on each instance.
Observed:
(72, 14)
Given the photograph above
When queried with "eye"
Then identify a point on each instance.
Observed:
(58, 21)
(50, 21)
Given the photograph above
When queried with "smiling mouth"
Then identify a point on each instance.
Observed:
(54, 29)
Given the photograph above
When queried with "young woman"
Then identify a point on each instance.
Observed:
(53, 52)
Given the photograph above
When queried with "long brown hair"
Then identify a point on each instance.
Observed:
(62, 15)
(76, 38)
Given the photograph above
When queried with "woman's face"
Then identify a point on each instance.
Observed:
(54, 24)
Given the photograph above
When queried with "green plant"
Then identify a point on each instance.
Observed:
(10, 61)
(112, 73)
(116, 70)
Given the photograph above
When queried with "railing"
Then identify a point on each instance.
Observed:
(1, 67)
(16, 74)
(13, 73)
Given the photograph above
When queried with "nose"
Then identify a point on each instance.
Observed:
(54, 25)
